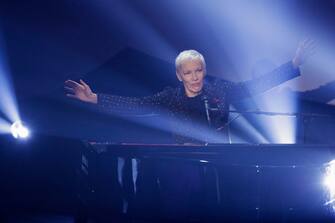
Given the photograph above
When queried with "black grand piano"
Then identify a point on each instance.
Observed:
(207, 183)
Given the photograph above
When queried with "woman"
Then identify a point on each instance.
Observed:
(188, 107)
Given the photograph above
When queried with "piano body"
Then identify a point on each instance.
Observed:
(202, 183)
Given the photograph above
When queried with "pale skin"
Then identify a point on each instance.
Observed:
(80, 91)
(191, 73)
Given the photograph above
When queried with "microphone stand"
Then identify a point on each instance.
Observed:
(207, 108)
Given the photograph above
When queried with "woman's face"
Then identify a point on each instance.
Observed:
(192, 74)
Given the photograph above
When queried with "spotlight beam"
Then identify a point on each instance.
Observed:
(8, 104)
(4, 126)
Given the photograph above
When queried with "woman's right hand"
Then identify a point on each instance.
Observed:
(80, 91)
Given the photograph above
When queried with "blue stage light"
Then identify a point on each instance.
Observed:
(4, 126)
(329, 183)
(19, 130)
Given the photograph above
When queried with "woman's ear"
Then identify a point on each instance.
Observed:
(178, 76)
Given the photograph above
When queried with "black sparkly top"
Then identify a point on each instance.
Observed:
(187, 116)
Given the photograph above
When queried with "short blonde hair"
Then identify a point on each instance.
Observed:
(188, 55)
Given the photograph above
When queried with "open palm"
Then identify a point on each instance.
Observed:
(305, 50)
(80, 91)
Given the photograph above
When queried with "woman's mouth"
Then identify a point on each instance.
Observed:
(196, 85)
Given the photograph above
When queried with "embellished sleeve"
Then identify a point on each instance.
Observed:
(134, 105)
(237, 91)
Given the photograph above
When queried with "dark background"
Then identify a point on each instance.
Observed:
(128, 48)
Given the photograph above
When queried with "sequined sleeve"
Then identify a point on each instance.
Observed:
(237, 91)
(134, 105)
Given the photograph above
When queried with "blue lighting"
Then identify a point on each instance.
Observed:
(19, 130)
(4, 126)
(8, 104)
(329, 183)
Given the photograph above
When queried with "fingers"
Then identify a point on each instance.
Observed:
(77, 90)
(308, 42)
(306, 49)
(308, 45)
(72, 96)
(70, 89)
(86, 86)
(310, 49)
(72, 84)
(311, 52)
(83, 83)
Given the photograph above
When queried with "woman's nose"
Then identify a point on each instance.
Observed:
(195, 76)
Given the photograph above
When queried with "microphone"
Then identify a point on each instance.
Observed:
(205, 99)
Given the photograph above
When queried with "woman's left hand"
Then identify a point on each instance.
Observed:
(305, 50)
